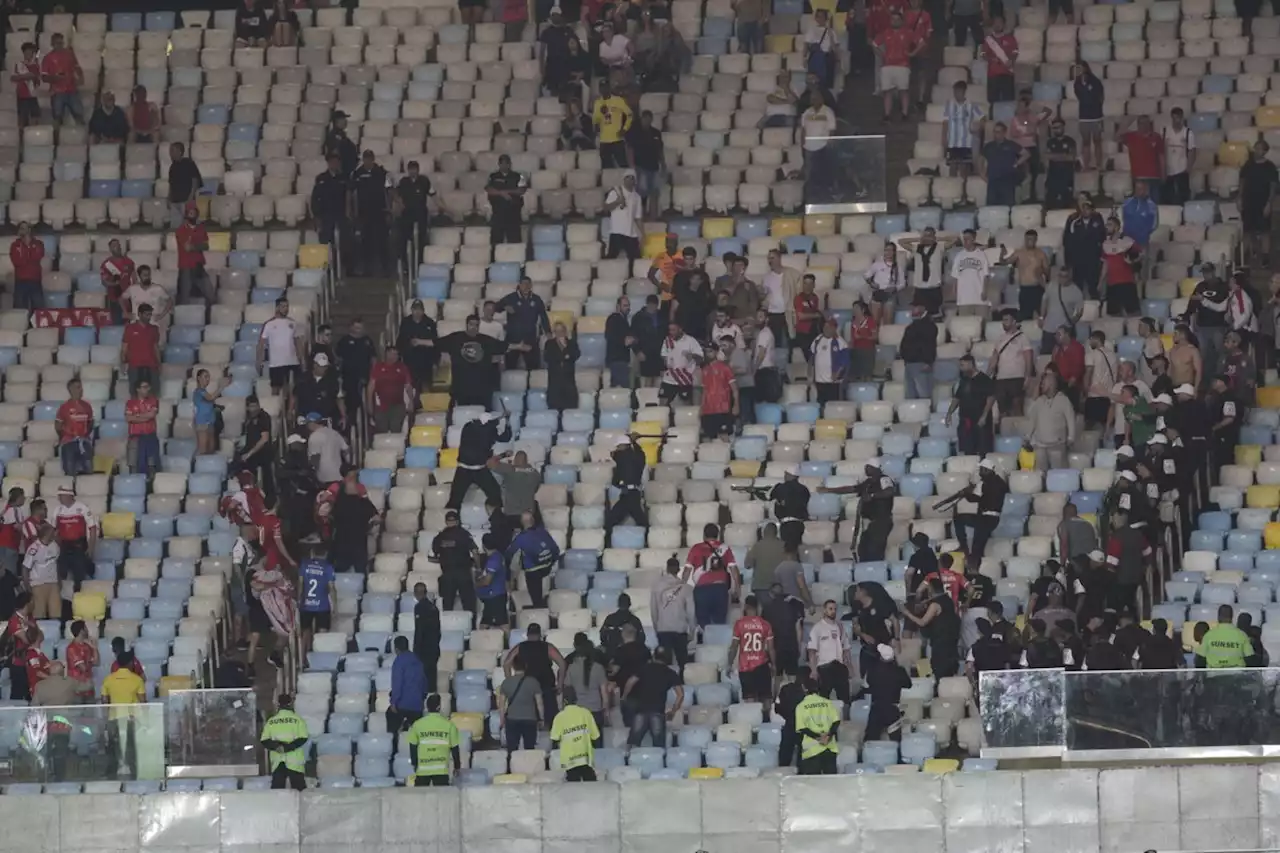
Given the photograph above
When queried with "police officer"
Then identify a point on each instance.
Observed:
(337, 142)
(284, 736)
(413, 191)
(791, 508)
(816, 723)
(989, 493)
(454, 549)
(628, 478)
(433, 740)
(329, 206)
(876, 507)
(1226, 414)
(506, 195)
(370, 186)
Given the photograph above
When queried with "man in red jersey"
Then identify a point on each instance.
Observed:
(1146, 154)
(952, 581)
(897, 48)
(26, 254)
(11, 519)
(387, 393)
(920, 23)
(141, 413)
(140, 349)
(117, 276)
(62, 72)
(74, 425)
(77, 535)
(752, 651)
(193, 240)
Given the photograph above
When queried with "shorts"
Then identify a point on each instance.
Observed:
(1009, 392)
(882, 296)
(667, 391)
(28, 109)
(315, 620)
(648, 182)
(494, 611)
(714, 426)
(895, 77)
(1090, 126)
(959, 155)
(1254, 220)
(757, 683)
(281, 376)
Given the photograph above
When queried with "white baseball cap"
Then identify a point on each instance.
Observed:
(1164, 398)
(792, 471)
(1124, 450)
(874, 462)
(989, 464)
(1129, 475)
(321, 359)
(1097, 556)
(886, 652)
(623, 441)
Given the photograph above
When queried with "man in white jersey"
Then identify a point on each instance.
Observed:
(681, 358)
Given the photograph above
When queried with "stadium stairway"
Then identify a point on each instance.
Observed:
(366, 298)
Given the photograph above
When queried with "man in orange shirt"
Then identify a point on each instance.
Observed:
(896, 46)
(62, 72)
(662, 272)
(74, 425)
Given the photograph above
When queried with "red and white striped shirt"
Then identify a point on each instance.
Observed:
(680, 360)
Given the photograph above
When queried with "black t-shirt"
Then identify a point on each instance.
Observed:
(251, 23)
(694, 304)
(337, 142)
(454, 546)
(646, 147)
(611, 628)
(351, 516)
(9, 585)
(1130, 638)
(980, 589)
(536, 657)
(1061, 145)
(556, 40)
(1043, 586)
(184, 179)
(370, 184)
(1090, 94)
(628, 658)
(318, 395)
(650, 692)
(1160, 652)
(1256, 181)
(782, 614)
(356, 356)
(254, 429)
(874, 622)
(1103, 657)
(505, 181)
(991, 653)
(923, 563)
(329, 196)
(110, 126)
(972, 393)
(471, 358)
(414, 193)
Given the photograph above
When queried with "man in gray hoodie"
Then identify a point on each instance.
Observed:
(671, 605)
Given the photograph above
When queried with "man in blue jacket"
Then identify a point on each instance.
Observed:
(408, 688)
(1140, 215)
(526, 321)
(491, 584)
(538, 554)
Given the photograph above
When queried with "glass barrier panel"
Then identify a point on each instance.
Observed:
(1022, 710)
(845, 174)
(212, 732)
(81, 743)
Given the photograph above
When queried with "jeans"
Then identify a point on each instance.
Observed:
(620, 374)
(28, 295)
(1211, 338)
(144, 454)
(711, 604)
(77, 457)
(61, 103)
(750, 37)
(192, 280)
(521, 734)
(919, 381)
(652, 723)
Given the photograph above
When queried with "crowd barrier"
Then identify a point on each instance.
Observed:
(1199, 808)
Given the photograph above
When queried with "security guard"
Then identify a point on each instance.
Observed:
(284, 736)
(413, 191)
(574, 732)
(628, 478)
(875, 507)
(329, 205)
(371, 186)
(337, 142)
(506, 195)
(791, 508)
(816, 723)
(432, 740)
(1224, 645)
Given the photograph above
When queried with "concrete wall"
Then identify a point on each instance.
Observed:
(1052, 811)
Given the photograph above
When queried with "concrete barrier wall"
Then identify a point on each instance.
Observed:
(1053, 811)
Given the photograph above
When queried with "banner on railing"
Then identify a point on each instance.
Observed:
(65, 318)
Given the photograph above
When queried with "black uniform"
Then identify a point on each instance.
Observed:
(329, 207)
(426, 638)
(337, 142)
(453, 547)
(972, 393)
(877, 495)
(1224, 440)
(504, 224)
(885, 682)
(628, 476)
(355, 359)
(475, 449)
(471, 358)
(943, 634)
(318, 394)
(414, 215)
(1060, 176)
(421, 361)
(990, 493)
(369, 184)
(1191, 419)
(791, 508)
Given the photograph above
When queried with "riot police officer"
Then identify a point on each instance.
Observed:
(337, 142)
(413, 191)
(506, 195)
(370, 184)
(329, 204)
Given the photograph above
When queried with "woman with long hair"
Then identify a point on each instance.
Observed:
(587, 676)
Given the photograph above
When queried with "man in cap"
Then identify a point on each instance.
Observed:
(791, 507)
(337, 142)
(318, 391)
(411, 197)
(876, 493)
(886, 680)
(371, 192)
(330, 205)
(454, 549)
(626, 218)
(506, 190)
(475, 449)
(628, 478)
(989, 493)
(77, 536)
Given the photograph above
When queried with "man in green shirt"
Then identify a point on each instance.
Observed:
(574, 732)
(432, 740)
(816, 723)
(1224, 645)
(284, 737)
(1139, 415)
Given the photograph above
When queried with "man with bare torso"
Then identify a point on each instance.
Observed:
(1031, 267)
(1185, 363)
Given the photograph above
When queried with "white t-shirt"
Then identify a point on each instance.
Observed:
(817, 124)
(155, 296)
(1144, 391)
(829, 640)
(784, 109)
(732, 330)
(1105, 367)
(1178, 145)
(883, 276)
(493, 329)
(824, 351)
(775, 301)
(970, 269)
(327, 444)
(1009, 361)
(41, 562)
(615, 52)
(281, 335)
(822, 38)
(680, 360)
(625, 220)
(764, 340)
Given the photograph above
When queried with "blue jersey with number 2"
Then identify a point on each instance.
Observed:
(316, 577)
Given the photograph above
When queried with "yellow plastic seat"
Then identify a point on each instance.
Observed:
(433, 402)
(1026, 460)
(1269, 397)
(448, 457)
(786, 226)
(1271, 535)
(654, 244)
(431, 435)
(831, 429)
(651, 447)
(220, 241)
(313, 256)
(89, 606)
(820, 225)
(1262, 497)
(941, 766)
(1186, 287)
(104, 464)
(706, 773)
(566, 317)
(203, 203)
(716, 227)
(779, 43)
(958, 565)
(1189, 634)
(1248, 455)
(924, 669)
(1020, 622)
(119, 525)
(170, 683)
(745, 469)
(1167, 340)
(1266, 116)
(469, 721)
(510, 779)
(646, 429)
(1092, 518)
(1236, 154)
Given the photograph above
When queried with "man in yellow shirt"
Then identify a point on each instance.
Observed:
(575, 732)
(817, 722)
(120, 689)
(433, 740)
(612, 118)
